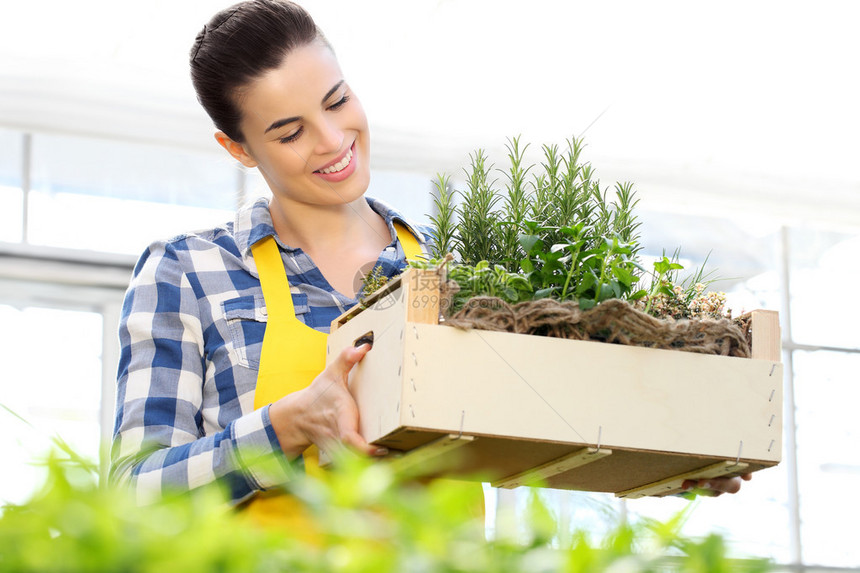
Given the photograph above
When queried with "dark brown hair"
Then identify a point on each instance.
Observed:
(240, 44)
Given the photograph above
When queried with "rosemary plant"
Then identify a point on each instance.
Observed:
(479, 226)
(552, 224)
(517, 204)
(444, 218)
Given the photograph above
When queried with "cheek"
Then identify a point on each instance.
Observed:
(294, 157)
(357, 116)
(285, 161)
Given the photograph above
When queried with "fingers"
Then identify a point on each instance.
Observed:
(354, 442)
(349, 357)
(714, 487)
(329, 417)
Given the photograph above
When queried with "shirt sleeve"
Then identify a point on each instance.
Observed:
(159, 443)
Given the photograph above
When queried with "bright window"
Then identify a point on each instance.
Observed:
(828, 392)
(119, 196)
(52, 375)
(11, 195)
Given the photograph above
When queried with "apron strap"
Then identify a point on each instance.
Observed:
(273, 278)
(411, 246)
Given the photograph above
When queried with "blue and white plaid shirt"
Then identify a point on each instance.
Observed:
(191, 332)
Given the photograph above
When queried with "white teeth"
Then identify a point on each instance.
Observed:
(340, 165)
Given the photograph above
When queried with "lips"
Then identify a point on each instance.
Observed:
(338, 164)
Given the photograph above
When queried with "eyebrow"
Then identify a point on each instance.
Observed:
(286, 120)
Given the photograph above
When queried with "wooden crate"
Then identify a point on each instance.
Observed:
(511, 408)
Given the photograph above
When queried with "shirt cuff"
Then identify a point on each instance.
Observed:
(259, 451)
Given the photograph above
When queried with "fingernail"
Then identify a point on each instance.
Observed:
(707, 485)
(380, 452)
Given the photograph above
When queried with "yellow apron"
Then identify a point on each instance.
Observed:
(293, 354)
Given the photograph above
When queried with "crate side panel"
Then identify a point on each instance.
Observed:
(375, 382)
(539, 388)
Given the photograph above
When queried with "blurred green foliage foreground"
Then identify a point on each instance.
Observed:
(369, 519)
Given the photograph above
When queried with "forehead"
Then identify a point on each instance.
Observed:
(295, 88)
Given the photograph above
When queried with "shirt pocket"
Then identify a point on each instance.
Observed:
(246, 318)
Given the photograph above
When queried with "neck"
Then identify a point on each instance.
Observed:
(314, 228)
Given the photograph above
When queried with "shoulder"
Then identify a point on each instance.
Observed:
(211, 248)
(187, 247)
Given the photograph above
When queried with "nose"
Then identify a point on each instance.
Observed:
(330, 137)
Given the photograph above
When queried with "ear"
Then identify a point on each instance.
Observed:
(237, 150)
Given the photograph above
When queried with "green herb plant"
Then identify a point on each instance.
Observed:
(373, 281)
(670, 296)
(369, 519)
(551, 224)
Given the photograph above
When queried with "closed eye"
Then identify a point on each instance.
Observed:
(292, 137)
(339, 103)
(333, 107)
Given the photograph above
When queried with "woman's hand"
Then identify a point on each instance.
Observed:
(714, 487)
(324, 413)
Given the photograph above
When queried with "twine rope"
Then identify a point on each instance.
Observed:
(614, 321)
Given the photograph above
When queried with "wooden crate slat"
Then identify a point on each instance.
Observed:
(563, 464)
(673, 484)
(427, 453)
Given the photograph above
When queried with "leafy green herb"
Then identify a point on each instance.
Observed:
(444, 218)
(484, 279)
(554, 226)
(367, 516)
(373, 281)
(669, 296)
(479, 224)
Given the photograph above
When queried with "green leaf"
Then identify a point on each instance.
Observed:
(664, 265)
(529, 242)
(527, 266)
(606, 292)
(665, 290)
(637, 295)
(623, 275)
(544, 293)
(586, 303)
(586, 283)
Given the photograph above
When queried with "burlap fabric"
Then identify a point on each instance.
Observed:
(613, 321)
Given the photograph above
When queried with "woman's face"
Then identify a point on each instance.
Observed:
(306, 131)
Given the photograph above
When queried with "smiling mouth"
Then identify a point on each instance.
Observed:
(340, 165)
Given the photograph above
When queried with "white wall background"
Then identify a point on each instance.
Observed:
(707, 106)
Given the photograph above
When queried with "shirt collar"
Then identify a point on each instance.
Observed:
(390, 215)
(254, 223)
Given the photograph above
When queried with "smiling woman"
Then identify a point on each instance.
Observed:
(224, 330)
